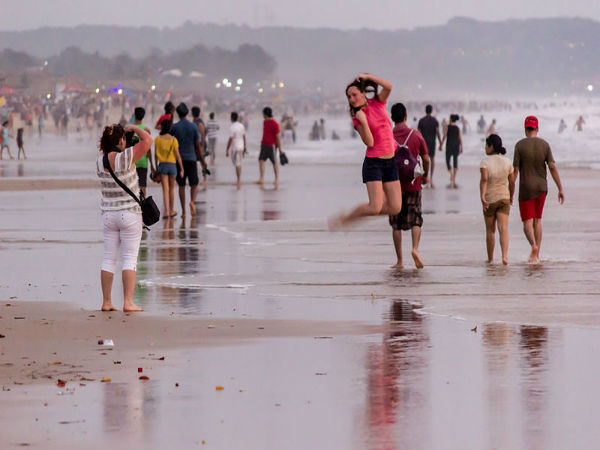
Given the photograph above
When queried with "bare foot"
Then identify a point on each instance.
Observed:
(534, 257)
(505, 261)
(398, 265)
(335, 223)
(418, 261)
(192, 209)
(132, 308)
(108, 307)
(260, 182)
(276, 185)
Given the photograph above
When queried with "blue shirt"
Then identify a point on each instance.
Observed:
(187, 134)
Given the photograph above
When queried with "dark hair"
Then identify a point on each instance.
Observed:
(139, 113)
(454, 117)
(234, 116)
(362, 86)
(494, 141)
(267, 111)
(428, 109)
(20, 132)
(111, 136)
(211, 115)
(195, 111)
(169, 107)
(5, 123)
(182, 110)
(165, 126)
(398, 113)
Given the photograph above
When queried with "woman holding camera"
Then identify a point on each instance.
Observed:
(166, 156)
(121, 214)
(379, 171)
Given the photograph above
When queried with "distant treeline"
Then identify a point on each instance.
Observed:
(250, 62)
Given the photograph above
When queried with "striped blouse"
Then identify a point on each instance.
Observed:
(114, 198)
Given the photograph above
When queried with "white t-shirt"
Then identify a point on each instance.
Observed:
(499, 168)
(237, 132)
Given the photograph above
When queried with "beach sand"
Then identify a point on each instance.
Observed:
(353, 354)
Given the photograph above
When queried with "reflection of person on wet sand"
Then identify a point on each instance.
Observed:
(496, 195)
(531, 157)
(379, 172)
(121, 214)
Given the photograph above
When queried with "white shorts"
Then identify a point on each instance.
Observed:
(236, 157)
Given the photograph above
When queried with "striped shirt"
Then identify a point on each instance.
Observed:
(212, 126)
(114, 198)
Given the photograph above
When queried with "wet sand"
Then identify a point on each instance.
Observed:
(461, 354)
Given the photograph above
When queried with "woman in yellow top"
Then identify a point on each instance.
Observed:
(165, 156)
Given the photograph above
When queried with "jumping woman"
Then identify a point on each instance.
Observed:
(379, 171)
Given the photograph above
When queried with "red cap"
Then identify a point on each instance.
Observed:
(531, 122)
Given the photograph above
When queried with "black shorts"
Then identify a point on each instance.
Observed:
(267, 152)
(190, 172)
(142, 175)
(378, 169)
(431, 148)
(410, 214)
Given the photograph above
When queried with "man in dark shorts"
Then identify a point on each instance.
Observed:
(430, 129)
(190, 149)
(410, 217)
(270, 143)
(532, 155)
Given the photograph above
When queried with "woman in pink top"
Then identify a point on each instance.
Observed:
(379, 170)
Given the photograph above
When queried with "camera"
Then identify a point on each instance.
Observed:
(131, 139)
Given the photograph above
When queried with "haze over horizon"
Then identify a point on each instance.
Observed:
(20, 15)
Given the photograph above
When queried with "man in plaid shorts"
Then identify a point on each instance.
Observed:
(410, 217)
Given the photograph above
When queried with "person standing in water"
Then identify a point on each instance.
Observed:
(410, 217)
(429, 128)
(237, 145)
(20, 144)
(579, 124)
(269, 144)
(562, 126)
(531, 157)
(496, 189)
(212, 130)
(453, 139)
(379, 171)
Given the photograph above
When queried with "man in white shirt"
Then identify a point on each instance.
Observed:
(237, 145)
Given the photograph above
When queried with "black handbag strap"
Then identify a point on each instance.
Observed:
(119, 182)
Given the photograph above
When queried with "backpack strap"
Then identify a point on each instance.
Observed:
(407, 138)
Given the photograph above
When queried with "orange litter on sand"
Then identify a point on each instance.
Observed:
(219, 388)
(61, 383)
(105, 380)
(144, 377)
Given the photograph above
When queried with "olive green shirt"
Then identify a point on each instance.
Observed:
(532, 155)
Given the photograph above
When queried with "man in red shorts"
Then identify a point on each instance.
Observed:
(532, 154)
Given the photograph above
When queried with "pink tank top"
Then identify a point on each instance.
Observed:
(381, 129)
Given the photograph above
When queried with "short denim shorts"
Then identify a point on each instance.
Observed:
(167, 168)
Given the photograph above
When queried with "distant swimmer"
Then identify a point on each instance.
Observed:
(579, 124)
(430, 130)
(453, 139)
(379, 171)
(562, 126)
(492, 128)
(465, 124)
(531, 157)
(481, 125)
(496, 189)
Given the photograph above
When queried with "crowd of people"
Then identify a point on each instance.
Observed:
(394, 173)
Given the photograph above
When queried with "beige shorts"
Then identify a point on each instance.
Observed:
(501, 206)
(236, 157)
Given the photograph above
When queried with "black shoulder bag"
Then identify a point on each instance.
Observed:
(150, 212)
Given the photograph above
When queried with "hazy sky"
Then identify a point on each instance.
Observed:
(379, 14)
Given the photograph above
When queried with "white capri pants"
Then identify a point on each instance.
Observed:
(122, 229)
